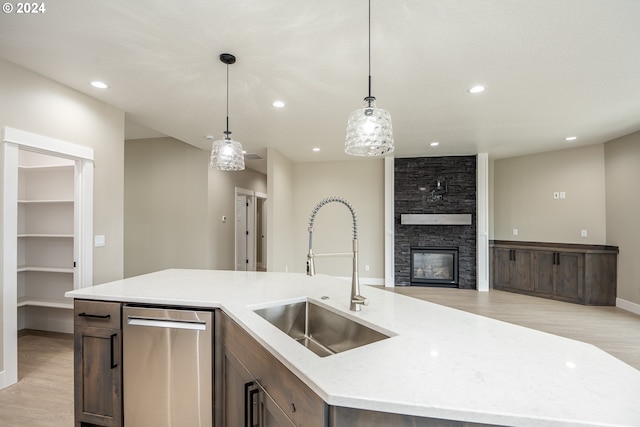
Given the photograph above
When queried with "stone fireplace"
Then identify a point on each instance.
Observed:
(435, 207)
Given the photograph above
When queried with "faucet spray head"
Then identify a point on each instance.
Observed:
(311, 267)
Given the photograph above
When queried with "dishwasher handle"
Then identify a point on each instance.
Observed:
(166, 323)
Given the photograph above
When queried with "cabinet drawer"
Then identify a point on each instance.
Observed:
(97, 314)
(296, 400)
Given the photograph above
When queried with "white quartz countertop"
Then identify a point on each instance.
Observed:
(439, 363)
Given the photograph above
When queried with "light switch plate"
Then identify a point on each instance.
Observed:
(99, 241)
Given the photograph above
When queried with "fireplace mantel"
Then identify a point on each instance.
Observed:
(435, 219)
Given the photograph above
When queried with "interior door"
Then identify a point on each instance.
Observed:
(241, 233)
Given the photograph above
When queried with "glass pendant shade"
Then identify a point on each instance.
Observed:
(227, 155)
(369, 131)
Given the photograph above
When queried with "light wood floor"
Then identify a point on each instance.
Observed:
(612, 329)
(43, 397)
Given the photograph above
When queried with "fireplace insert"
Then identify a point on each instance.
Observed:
(434, 266)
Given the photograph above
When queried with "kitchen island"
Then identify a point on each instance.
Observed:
(439, 363)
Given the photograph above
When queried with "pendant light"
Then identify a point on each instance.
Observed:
(369, 131)
(226, 154)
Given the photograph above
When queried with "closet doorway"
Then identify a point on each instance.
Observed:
(47, 228)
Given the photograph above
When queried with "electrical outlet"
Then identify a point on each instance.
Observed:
(366, 267)
(514, 232)
(583, 233)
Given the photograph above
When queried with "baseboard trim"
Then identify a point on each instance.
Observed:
(628, 305)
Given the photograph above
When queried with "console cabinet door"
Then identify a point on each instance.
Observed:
(98, 364)
(570, 275)
(544, 271)
(512, 269)
(502, 267)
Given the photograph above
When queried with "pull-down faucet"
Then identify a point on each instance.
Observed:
(356, 299)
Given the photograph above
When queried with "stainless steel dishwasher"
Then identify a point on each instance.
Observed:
(168, 367)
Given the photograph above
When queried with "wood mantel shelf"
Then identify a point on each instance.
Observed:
(583, 274)
(435, 219)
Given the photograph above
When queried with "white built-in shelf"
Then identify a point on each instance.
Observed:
(46, 168)
(22, 268)
(45, 201)
(57, 236)
(45, 302)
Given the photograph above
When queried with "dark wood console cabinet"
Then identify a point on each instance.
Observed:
(583, 274)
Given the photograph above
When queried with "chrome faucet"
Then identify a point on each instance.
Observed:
(357, 300)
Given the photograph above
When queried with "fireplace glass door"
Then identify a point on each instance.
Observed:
(434, 266)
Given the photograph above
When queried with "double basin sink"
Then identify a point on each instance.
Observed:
(322, 331)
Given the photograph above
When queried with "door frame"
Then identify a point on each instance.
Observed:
(14, 140)
(251, 223)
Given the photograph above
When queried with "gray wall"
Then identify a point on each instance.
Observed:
(601, 184)
(165, 206)
(361, 183)
(622, 164)
(523, 189)
(35, 104)
(174, 204)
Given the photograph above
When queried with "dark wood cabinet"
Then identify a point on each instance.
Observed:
(98, 364)
(258, 390)
(584, 274)
(513, 268)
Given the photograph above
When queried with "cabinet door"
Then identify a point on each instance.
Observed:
(501, 267)
(521, 269)
(544, 271)
(236, 380)
(98, 376)
(270, 414)
(98, 367)
(569, 277)
(300, 404)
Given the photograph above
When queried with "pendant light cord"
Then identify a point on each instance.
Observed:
(227, 132)
(369, 47)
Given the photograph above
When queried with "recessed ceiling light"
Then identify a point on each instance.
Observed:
(477, 89)
(278, 104)
(99, 84)
(434, 144)
(316, 149)
(571, 138)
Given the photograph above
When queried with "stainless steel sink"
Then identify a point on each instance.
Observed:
(320, 330)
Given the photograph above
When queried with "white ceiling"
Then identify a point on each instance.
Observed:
(553, 68)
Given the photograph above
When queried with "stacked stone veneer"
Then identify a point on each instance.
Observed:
(460, 176)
